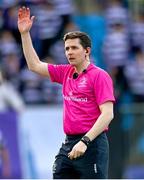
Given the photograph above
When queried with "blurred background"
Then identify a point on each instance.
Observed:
(31, 106)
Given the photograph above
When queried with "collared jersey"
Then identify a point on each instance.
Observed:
(82, 96)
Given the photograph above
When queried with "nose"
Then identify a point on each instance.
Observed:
(70, 52)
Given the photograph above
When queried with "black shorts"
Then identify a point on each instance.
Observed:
(92, 165)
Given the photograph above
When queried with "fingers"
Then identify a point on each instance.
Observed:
(74, 154)
(32, 18)
(23, 13)
(27, 12)
(71, 155)
(20, 13)
(77, 151)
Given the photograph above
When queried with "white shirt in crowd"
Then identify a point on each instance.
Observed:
(9, 97)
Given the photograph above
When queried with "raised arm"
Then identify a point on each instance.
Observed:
(24, 25)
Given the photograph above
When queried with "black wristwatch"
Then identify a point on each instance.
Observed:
(86, 140)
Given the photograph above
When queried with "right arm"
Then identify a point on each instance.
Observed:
(32, 59)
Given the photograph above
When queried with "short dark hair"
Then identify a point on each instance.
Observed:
(85, 40)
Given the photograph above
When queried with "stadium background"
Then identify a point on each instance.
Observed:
(31, 107)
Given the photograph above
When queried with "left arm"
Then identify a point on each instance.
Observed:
(100, 125)
(102, 122)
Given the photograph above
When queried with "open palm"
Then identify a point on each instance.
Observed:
(24, 20)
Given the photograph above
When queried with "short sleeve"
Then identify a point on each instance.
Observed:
(103, 88)
(57, 72)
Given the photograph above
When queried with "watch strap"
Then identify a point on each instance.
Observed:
(86, 140)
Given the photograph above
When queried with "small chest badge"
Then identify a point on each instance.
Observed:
(83, 82)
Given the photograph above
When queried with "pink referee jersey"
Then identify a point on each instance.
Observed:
(82, 96)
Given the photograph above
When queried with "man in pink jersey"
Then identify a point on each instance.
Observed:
(88, 104)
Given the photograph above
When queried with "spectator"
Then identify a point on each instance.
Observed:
(31, 89)
(10, 18)
(116, 54)
(134, 72)
(1, 19)
(10, 59)
(8, 43)
(137, 31)
(49, 24)
(115, 13)
(9, 97)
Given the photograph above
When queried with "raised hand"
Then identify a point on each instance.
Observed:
(24, 20)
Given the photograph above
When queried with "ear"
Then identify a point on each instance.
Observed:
(88, 50)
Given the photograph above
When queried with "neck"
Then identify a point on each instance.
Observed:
(80, 68)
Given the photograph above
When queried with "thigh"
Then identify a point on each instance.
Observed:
(62, 168)
(94, 163)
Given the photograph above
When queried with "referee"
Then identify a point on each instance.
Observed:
(88, 104)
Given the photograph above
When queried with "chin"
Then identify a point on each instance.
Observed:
(72, 63)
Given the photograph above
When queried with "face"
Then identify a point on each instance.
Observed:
(75, 52)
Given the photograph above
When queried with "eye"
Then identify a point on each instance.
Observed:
(67, 48)
(74, 47)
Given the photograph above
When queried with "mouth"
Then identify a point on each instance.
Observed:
(71, 59)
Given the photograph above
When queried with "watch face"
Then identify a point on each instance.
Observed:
(86, 139)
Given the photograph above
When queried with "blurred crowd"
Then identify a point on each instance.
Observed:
(121, 50)
(53, 19)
